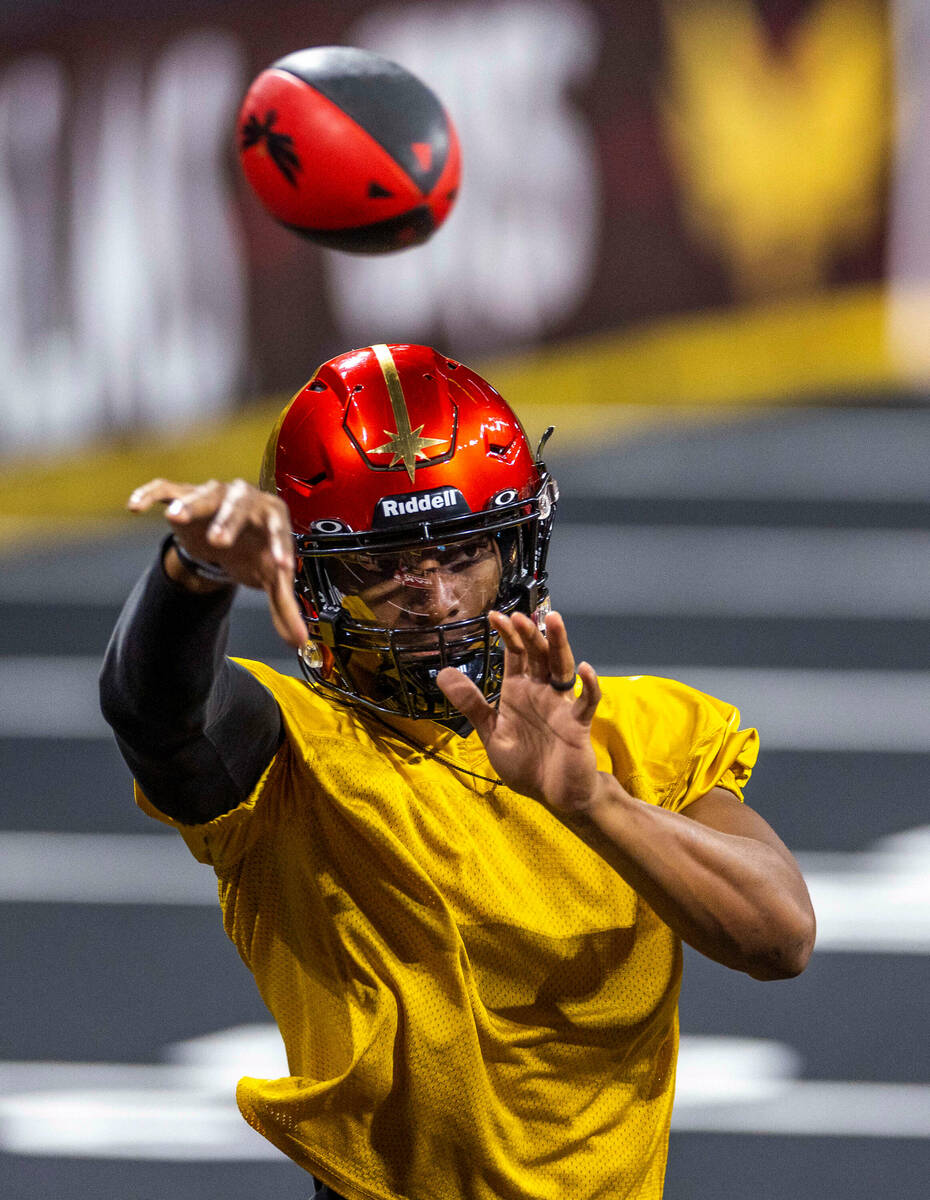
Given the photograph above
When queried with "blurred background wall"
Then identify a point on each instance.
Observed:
(664, 204)
(692, 234)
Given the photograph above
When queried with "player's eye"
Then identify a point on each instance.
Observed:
(469, 552)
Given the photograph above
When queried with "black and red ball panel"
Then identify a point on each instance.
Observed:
(350, 149)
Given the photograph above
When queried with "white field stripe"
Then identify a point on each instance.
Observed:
(183, 1109)
(102, 868)
(872, 902)
(50, 697)
(837, 710)
(808, 1108)
(608, 571)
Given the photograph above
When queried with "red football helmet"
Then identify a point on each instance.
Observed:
(417, 506)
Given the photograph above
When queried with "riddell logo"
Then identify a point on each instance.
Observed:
(416, 504)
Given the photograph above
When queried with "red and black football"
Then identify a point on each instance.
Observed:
(349, 149)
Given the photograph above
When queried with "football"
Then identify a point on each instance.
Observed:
(349, 149)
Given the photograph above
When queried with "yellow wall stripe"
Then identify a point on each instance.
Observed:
(684, 369)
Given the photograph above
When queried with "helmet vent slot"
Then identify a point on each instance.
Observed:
(318, 386)
(313, 480)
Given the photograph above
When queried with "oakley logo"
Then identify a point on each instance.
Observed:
(415, 504)
(330, 527)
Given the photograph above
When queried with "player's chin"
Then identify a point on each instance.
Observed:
(435, 646)
(433, 659)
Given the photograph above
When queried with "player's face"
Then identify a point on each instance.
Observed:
(423, 587)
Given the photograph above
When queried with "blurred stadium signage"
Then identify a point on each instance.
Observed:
(621, 163)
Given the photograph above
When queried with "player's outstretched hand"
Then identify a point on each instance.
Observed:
(245, 531)
(539, 737)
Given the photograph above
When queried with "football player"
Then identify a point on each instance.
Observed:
(459, 866)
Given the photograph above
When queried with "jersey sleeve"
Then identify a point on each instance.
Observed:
(723, 757)
(289, 779)
(221, 842)
(671, 744)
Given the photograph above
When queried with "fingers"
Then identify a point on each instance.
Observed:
(280, 540)
(515, 658)
(197, 504)
(186, 502)
(527, 651)
(156, 491)
(285, 611)
(546, 659)
(561, 661)
(231, 515)
(222, 515)
(585, 705)
(244, 530)
(467, 698)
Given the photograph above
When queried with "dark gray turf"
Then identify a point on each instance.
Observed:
(118, 983)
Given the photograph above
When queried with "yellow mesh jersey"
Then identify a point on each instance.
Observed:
(475, 1005)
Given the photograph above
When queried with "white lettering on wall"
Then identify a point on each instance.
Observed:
(133, 311)
(516, 254)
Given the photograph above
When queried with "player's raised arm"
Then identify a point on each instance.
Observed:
(716, 873)
(196, 730)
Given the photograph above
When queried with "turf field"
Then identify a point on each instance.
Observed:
(780, 561)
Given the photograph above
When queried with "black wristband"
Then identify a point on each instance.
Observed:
(210, 571)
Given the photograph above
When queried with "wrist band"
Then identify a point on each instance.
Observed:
(212, 572)
(563, 685)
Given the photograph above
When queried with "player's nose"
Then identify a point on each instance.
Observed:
(440, 598)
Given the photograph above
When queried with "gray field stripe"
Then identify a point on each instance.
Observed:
(609, 570)
(810, 454)
(740, 571)
(829, 710)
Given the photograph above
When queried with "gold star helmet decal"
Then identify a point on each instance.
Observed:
(406, 444)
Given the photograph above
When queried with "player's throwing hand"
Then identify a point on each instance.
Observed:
(539, 738)
(238, 528)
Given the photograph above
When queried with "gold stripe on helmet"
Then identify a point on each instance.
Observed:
(406, 444)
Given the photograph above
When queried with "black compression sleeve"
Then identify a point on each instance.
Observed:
(196, 730)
